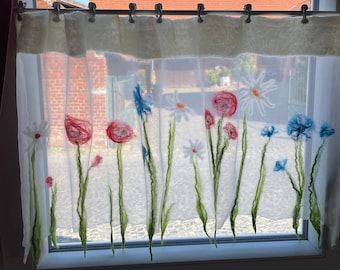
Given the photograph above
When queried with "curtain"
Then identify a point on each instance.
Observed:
(157, 131)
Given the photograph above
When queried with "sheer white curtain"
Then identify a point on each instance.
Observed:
(207, 124)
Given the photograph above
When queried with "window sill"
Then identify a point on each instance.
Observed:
(180, 254)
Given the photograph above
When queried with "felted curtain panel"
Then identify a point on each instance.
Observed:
(158, 131)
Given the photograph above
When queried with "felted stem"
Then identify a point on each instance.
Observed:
(36, 230)
(234, 210)
(165, 214)
(111, 220)
(314, 210)
(122, 212)
(154, 190)
(53, 225)
(200, 208)
(260, 185)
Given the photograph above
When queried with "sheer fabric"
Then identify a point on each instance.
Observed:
(200, 121)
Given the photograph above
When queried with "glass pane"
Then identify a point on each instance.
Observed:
(99, 89)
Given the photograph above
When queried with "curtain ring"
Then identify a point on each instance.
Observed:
(56, 10)
(200, 9)
(247, 8)
(92, 10)
(304, 14)
(132, 9)
(20, 9)
(159, 12)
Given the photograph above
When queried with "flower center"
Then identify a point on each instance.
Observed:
(194, 150)
(180, 105)
(255, 92)
(37, 136)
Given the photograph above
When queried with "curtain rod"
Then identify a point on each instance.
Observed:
(159, 12)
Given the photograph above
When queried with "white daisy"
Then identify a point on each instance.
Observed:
(255, 91)
(178, 108)
(37, 134)
(195, 149)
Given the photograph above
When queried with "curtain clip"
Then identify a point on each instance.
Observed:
(132, 10)
(248, 8)
(20, 9)
(92, 10)
(159, 12)
(304, 14)
(200, 9)
(56, 10)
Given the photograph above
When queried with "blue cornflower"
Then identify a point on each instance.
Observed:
(299, 126)
(280, 165)
(268, 131)
(142, 105)
(326, 131)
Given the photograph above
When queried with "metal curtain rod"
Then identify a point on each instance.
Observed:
(159, 12)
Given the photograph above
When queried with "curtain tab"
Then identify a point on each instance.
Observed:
(248, 8)
(92, 10)
(159, 12)
(132, 10)
(20, 9)
(304, 14)
(200, 9)
(56, 10)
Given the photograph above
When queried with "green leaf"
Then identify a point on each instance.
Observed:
(234, 210)
(260, 185)
(200, 208)
(111, 220)
(165, 214)
(53, 225)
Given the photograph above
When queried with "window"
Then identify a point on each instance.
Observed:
(189, 84)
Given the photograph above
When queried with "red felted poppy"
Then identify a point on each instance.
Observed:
(231, 131)
(225, 103)
(209, 119)
(78, 131)
(119, 132)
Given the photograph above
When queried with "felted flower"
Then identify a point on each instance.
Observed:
(230, 131)
(119, 132)
(299, 126)
(78, 131)
(36, 134)
(224, 103)
(255, 91)
(178, 108)
(195, 149)
(209, 119)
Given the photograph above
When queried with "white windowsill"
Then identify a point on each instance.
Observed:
(178, 254)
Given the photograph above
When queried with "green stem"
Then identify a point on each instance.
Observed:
(314, 210)
(81, 211)
(122, 212)
(154, 190)
(36, 231)
(260, 185)
(111, 220)
(200, 208)
(296, 213)
(234, 210)
(53, 225)
(165, 214)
